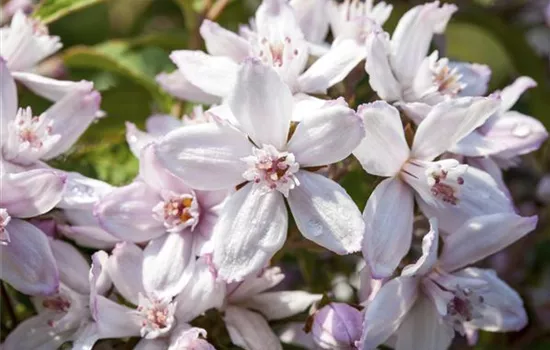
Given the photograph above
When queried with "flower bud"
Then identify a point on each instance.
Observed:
(337, 326)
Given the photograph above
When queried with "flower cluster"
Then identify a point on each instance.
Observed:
(219, 191)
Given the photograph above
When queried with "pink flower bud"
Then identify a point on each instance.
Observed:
(337, 326)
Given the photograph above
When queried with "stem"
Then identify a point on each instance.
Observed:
(216, 9)
(8, 305)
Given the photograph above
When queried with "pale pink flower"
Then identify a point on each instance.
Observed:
(337, 326)
(78, 312)
(249, 305)
(276, 40)
(445, 189)
(438, 295)
(401, 70)
(258, 153)
(150, 279)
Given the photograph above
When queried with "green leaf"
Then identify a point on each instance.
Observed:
(116, 57)
(50, 10)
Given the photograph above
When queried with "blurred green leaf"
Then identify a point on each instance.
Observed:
(116, 57)
(50, 10)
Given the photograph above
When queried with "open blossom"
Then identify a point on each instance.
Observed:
(79, 311)
(439, 295)
(445, 189)
(249, 304)
(27, 138)
(257, 152)
(146, 278)
(400, 70)
(275, 39)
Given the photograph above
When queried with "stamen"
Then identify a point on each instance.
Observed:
(158, 316)
(178, 212)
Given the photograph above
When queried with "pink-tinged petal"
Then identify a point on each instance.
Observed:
(253, 285)
(86, 336)
(205, 156)
(425, 263)
(274, 17)
(161, 124)
(326, 214)
(262, 103)
(35, 333)
(154, 174)
(387, 311)
(490, 166)
(384, 149)
(71, 116)
(204, 293)
(475, 76)
(279, 305)
(424, 328)
(478, 195)
(137, 139)
(449, 122)
(293, 333)
(168, 265)
(377, 65)
(188, 337)
(31, 193)
(337, 326)
(127, 213)
(251, 229)
(51, 89)
(177, 85)
(222, 42)
(8, 98)
(511, 94)
(152, 344)
(82, 193)
(100, 280)
(85, 231)
(415, 111)
(502, 309)
(28, 264)
(516, 134)
(73, 268)
(412, 37)
(326, 135)
(250, 330)
(312, 19)
(332, 67)
(483, 236)
(215, 75)
(116, 321)
(125, 268)
(476, 144)
(388, 226)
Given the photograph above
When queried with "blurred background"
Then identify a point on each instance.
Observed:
(121, 45)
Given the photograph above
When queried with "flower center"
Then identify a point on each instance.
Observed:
(178, 212)
(446, 79)
(271, 169)
(463, 307)
(158, 317)
(4, 221)
(57, 303)
(277, 53)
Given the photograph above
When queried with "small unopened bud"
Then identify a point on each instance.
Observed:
(337, 326)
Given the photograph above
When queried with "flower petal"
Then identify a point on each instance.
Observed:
(73, 268)
(279, 305)
(31, 193)
(28, 264)
(388, 226)
(125, 268)
(116, 321)
(503, 309)
(168, 265)
(430, 245)
(384, 149)
(326, 214)
(424, 328)
(312, 19)
(8, 98)
(253, 285)
(250, 330)
(483, 236)
(475, 76)
(251, 228)
(332, 67)
(326, 135)
(51, 89)
(161, 124)
(154, 174)
(215, 75)
(377, 65)
(127, 213)
(137, 139)
(387, 311)
(177, 85)
(35, 333)
(262, 103)
(205, 156)
(82, 192)
(222, 42)
(511, 94)
(449, 122)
